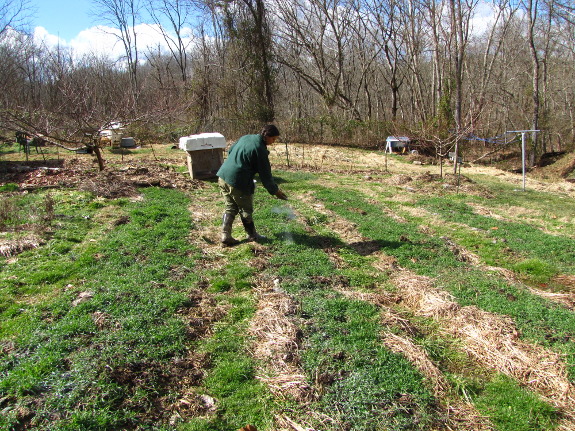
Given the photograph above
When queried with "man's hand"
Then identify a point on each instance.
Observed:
(281, 195)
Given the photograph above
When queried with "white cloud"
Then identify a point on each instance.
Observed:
(104, 41)
(483, 18)
(41, 35)
(99, 40)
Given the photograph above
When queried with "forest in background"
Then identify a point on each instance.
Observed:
(326, 71)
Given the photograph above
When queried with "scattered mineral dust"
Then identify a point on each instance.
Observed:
(289, 213)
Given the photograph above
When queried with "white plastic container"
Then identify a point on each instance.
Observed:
(203, 141)
(205, 154)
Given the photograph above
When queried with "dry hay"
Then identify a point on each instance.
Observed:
(349, 234)
(481, 210)
(399, 179)
(566, 280)
(285, 423)
(512, 212)
(326, 158)
(388, 212)
(103, 320)
(346, 230)
(204, 234)
(526, 215)
(458, 415)
(385, 263)
(463, 416)
(418, 357)
(277, 343)
(494, 341)
(507, 274)
(461, 253)
(13, 247)
(428, 182)
(565, 299)
(531, 182)
(418, 212)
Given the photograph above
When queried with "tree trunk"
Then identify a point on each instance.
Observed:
(99, 157)
(535, 64)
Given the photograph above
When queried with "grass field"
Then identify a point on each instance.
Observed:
(381, 300)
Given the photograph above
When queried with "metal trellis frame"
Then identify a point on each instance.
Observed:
(523, 152)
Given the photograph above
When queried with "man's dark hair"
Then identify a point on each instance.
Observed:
(270, 131)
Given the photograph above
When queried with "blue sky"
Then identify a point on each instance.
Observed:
(70, 24)
(63, 18)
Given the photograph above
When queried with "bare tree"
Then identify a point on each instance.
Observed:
(387, 26)
(123, 15)
(532, 11)
(314, 38)
(460, 15)
(434, 13)
(418, 44)
(172, 20)
(246, 30)
(13, 14)
(410, 65)
(490, 46)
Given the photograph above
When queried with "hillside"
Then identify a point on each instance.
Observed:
(385, 297)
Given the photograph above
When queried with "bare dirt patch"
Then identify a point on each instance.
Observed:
(78, 173)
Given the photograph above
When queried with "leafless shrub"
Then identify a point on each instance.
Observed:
(8, 212)
(48, 209)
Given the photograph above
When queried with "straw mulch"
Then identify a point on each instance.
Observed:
(277, 337)
(418, 357)
(565, 299)
(494, 341)
(277, 343)
(346, 230)
(10, 248)
(566, 280)
(456, 414)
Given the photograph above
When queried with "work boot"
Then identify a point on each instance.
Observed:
(227, 222)
(251, 230)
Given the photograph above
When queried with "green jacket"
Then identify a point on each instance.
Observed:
(246, 158)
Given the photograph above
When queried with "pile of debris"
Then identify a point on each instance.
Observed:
(80, 174)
